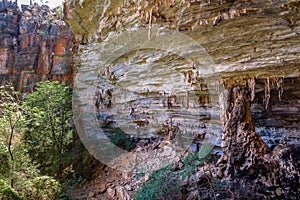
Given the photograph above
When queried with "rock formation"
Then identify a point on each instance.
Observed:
(242, 147)
(246, 158)
(35, 45)
(253, 41)
(255, 48)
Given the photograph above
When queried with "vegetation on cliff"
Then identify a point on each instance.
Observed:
(36, 138)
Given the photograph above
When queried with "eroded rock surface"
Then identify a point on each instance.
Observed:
(242, 147)
(259, 40)
(35, 45)
(141, 87)
(247, 160)
(254, 46)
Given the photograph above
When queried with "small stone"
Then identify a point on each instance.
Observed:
(278, 191)
(108, 185)
(146, 177)
(126, 175)
(180, 165)
(128, 187)
(220, 174)
(161, 145)
(138, 149)
(91, 194)
(111, 192)
(121, 193)
(102, 187)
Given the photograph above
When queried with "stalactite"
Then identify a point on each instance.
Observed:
(187, 99)
(195, 73)
(80, 3)
(229, 99)
(279, 84)
(275, 82)
(217, 86)
(267, 93)
(251, 85)
(157, 4)
(150, 24)
(222, 103)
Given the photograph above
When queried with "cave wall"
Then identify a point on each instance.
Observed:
(247, 40)
(35, 45)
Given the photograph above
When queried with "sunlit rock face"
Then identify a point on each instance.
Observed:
(148, 90)
(145, 82)
(35, 45)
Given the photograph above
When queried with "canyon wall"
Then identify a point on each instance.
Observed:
(35, 45)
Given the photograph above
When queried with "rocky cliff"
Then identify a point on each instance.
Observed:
(218, 71)
(35, 45)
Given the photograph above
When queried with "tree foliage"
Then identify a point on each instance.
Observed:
(48, 130)
(20, 177)
(11, 109)
(8, 193)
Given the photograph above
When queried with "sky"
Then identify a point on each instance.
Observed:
(51, 3)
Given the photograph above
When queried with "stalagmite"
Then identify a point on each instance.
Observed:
(242, 147)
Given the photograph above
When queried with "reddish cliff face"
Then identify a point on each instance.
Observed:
(35, 45)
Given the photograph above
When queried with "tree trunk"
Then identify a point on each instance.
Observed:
(11, 156)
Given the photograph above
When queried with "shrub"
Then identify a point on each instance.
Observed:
(194, 160)
(45, 187)
(162, 184)
(8, 193)
(165, 183)
(4, 160)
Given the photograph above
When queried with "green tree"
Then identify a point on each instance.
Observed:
(30, 183)
(16, 166)
(48, 130)
(11, 112)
